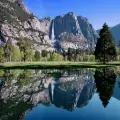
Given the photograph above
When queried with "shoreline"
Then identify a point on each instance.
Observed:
(55, 64)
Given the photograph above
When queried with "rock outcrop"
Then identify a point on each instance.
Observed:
(88, 31)
(21, 23)
(68, 28)
(63, 32)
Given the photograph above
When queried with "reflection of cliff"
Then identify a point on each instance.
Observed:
(1, 82)
(86, 94)
(23, 89)
(71, 93)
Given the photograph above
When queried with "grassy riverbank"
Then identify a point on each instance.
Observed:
(56, 64)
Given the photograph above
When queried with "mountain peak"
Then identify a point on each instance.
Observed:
(83, 18)
(20, 3)
(71, 13)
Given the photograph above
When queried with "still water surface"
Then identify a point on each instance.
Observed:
(82, 94)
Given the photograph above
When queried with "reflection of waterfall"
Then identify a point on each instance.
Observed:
(77, 96)
(1, 83)
(52, 34)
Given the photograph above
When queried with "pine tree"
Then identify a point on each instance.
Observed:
(44, 53)
(105, 48)
(70, 53)
(119, 46)
(37, 55)
(105, 79)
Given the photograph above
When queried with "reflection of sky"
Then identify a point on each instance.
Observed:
(97, 11)
(93, 111)
(116, 92)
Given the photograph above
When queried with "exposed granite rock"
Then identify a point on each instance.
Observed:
(88, 31)
(35, 30)
(30, 31)
(66, 23)
(65, 31)
(70, 27)
(69, 40)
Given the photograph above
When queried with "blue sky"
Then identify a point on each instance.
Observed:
(97, 11)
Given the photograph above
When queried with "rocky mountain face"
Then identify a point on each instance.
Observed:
(116, 33)
(88, 31)
(16, 22)
(62, 32)
(72, 31)
(115, 30)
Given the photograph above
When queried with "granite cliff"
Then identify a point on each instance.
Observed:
(60, 33)
(73, 31)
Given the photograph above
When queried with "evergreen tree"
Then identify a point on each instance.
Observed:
(119, 46)
(105, 48)
(37, 55)
(105, 80)
(70, 53)
(44, 53)
(24, 78)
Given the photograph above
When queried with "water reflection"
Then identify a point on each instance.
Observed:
(21, 90)
(105, 81)
(72, 91)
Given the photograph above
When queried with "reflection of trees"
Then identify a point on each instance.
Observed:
(105, 81)
(24, 78)
(13, 110)
(7, 75)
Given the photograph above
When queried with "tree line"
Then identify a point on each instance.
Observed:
(105, 51)
(24, 51)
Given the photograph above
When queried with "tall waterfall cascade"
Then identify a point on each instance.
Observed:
(52, 33)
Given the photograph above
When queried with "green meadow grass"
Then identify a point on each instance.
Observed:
(56, 64)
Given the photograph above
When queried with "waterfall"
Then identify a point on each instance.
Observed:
(52, 33)
(52, 89)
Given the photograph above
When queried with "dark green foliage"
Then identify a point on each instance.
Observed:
(69, 54)
(37, 55)
(105, 80)
(44, 53)
(105, 48)
(119, 46)
(8, 76)
(48, 18)
(75, 54)
(24, 78)
(25, 48)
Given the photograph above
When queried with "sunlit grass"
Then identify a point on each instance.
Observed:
(56, 64)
